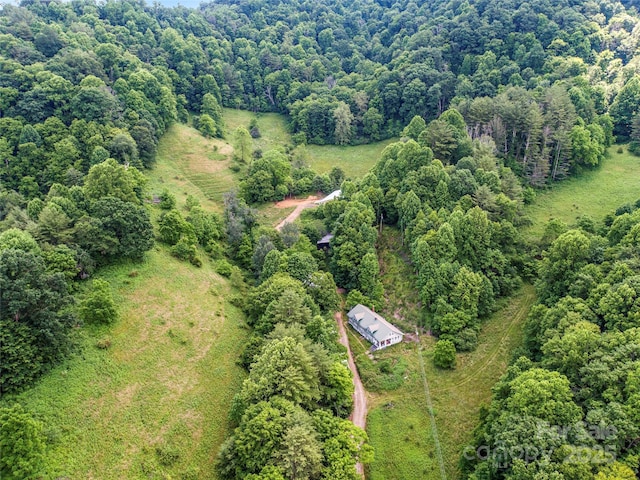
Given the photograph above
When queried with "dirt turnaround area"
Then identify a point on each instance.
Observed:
(299, 203)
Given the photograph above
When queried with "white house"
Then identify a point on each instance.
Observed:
(331, 196)
(373, 327)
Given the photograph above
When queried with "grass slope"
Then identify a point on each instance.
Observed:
(398, 421)
(274, 132)
(595, 193)
(153, 405)
(356, 160)
(188, 163)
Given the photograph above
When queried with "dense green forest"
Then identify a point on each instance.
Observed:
(568, 406)
(490, 101)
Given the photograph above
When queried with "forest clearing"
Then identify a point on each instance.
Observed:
(191, 199)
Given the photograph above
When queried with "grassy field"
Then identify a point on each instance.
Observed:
(402, 299)
(188, 163)
(356, 160)
(398, 421)
(399, 425)
(593, 193)
(273, 127)
(154, 404)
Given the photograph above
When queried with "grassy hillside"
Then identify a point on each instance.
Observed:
(154, 404)
(356, 161)
(273, 127)
(594, 193)
(188, 163)
(398, 423)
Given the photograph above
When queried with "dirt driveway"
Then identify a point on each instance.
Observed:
(299, 203)
(359, 414)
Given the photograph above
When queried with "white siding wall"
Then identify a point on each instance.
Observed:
(366, 334)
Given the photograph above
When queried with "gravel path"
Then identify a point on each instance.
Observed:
(359, 414)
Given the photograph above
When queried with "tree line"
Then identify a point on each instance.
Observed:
(343, 73)
(289, 417)
(570, 397)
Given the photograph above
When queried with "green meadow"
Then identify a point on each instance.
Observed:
(398, 424)
(147, 397)
(594, 192)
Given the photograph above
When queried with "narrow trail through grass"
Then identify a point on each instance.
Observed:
(457, 395)
(420, 429)
(399, 427)
(518, 312)
(432, 417)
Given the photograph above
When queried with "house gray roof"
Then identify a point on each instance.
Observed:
(374, 323)
(326, 239)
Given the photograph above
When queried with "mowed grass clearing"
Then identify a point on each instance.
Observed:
(155, 403)
(188, 163)
(595, 193)
(274, 132)
(355, 160)
(398, 422)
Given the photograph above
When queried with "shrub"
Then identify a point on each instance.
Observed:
(528, 195)
(237, 280)
(224, 268)
(299, 138)
(22, 444)
(184, 250)
(385, 375)
(167, 455)
(191, 202)
(99, 306)
(356, 297)
(444, 355)
(214, 249)
(167, 200)
(104, 343)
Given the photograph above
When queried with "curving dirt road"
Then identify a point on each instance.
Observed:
(300, 206)
(359, 414)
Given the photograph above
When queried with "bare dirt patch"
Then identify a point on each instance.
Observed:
(294, 202)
